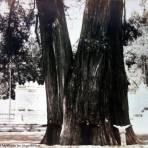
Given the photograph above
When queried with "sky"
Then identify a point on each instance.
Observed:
(3, 8)
(75, 14)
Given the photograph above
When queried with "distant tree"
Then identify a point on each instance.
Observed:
(15, 47)
(131, 30)
(136, 51)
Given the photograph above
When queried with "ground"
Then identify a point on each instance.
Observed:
(32, 140)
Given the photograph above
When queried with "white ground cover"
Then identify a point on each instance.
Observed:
(137, 102)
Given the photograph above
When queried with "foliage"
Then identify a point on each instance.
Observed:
(131, 30)
(136, 56)
(16, 45)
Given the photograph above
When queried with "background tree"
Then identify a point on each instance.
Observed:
(136, 52)
(15, 47)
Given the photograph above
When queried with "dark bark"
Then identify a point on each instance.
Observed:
(144, 67)
(119, 111)
(96, 95)
(56, 57)
(146, 72)
(94, 87)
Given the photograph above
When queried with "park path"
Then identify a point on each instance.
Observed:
(32, 140)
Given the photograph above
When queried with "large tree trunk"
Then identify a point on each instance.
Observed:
(96, 93)
(56, 57)
(94, 90)
(119, 111)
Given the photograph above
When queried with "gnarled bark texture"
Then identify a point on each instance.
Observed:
(119, 111)
(56, 57)
(96, 93)
(90, 94)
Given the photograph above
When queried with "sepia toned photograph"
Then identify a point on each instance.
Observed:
(73, 73)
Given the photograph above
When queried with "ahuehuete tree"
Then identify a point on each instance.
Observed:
(87, 93)
(57, 60)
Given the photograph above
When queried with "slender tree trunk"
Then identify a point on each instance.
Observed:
(56, 57)
(145, 69)
(96, 95)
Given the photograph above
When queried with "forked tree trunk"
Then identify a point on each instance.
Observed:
(56, 57)
(94, 90)
(96, 94)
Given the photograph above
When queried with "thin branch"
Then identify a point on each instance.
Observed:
(36, 30)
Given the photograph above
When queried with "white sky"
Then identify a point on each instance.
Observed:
(3, 8)
(75, 14)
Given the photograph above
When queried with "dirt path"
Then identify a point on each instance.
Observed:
(32, 140)
(21, 137)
